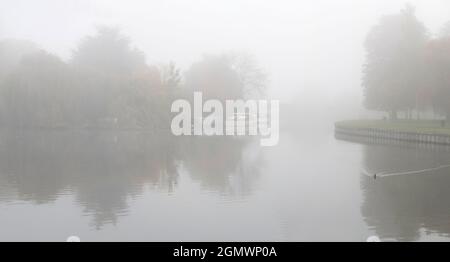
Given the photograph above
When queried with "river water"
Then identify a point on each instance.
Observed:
(127, 186)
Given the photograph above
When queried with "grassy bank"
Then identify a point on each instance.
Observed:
(410, 126)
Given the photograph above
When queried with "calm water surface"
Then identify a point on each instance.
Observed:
(113, 186)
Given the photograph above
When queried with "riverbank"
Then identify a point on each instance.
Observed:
(423, 131)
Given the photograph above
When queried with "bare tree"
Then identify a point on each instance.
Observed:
(252, 76)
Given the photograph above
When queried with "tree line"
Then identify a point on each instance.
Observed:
(407, 69)
(108, 83)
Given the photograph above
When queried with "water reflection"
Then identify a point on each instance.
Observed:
(223, 164)
(104, 169)
(406, 207)
(160, 187)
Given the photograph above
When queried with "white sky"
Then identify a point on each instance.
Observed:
(311, 48)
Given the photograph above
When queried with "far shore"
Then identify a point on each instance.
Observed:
(420, 127)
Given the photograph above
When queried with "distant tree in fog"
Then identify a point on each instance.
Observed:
(394, 72)
(107, 83)
(253, 78)
(445, 31)
(438, 51)
(108, 52)
(34, 94)
(227, 76)
(12, 52)
(143, 98)
(170, 75)
(215, 78)
(106, 66)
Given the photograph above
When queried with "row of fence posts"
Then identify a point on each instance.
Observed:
(395, 135)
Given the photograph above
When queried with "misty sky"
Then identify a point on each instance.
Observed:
(310, 48)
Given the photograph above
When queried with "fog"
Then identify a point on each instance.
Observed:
(90, 91)
(310, 48)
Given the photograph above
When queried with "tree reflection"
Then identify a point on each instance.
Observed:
(402, 207)
(222, 164)
(103, 169)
